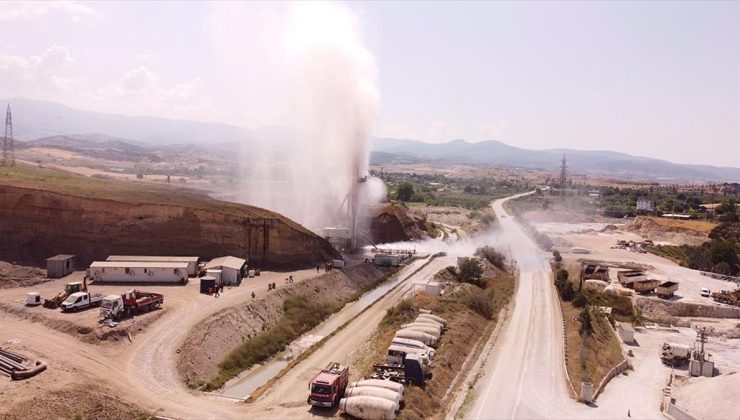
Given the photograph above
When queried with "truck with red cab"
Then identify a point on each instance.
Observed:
(327, 388)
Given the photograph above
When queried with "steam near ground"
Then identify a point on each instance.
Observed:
(310, 72)
(463, 247)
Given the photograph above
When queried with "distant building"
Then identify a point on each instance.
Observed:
(644, 205)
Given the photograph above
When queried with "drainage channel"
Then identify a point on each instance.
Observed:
(259, 375)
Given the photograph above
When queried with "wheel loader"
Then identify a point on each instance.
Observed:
(69, 288)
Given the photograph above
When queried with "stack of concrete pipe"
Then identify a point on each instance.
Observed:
(372, 399)
(427, 328)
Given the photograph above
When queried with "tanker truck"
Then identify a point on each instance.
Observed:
(674, 354)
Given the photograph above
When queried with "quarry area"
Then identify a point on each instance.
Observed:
(227, 230)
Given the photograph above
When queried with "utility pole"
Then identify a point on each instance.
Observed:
(563, 176)
(8, 142)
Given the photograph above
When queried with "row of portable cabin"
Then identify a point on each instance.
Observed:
(164, 269)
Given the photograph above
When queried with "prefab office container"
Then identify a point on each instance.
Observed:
(232, 268)
(191, 261)
(138, 272)
(60, 266)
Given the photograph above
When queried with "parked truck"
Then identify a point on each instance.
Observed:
(327, 388)
(666, 289)
(674, 354)
(729, 297)
(130, 303)
(645, 286)
(81, 300)
(411, 370)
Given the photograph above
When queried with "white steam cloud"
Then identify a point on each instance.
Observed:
(310, 71)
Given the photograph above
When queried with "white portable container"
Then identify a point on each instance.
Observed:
(33, 299)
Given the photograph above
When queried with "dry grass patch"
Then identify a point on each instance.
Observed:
(702, 226)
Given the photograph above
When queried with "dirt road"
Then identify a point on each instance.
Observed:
(524, 376)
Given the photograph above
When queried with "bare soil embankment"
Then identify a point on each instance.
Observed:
(395, 223)
(12, 275)
(213, 338)
(679, 232)
(45, 212)
(665, 311)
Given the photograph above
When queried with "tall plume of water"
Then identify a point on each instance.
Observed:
(328, 83)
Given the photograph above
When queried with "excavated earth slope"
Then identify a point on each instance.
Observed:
(45, 212)
(213, 338)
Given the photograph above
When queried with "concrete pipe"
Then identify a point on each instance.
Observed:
(436, 326)
(374, 391)
(425, 338)
(427, 328)
(429, 321)
(369, 408)
(25, 374)
(435, 318)
(412, 343)
(379, 383)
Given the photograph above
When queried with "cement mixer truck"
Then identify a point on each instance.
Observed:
(327, 388)
(674, 354)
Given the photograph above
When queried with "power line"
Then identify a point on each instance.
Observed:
(8, 142)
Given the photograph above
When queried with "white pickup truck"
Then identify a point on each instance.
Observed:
(81, 300)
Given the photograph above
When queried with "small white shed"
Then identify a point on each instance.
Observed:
(232, 268)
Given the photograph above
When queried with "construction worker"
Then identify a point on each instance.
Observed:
(253, 295)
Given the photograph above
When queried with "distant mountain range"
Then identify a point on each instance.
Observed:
(53, 124)
(492, 152)
(34, 119)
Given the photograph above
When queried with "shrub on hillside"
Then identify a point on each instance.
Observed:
(480, 302)
(493, 256)
(470, 271)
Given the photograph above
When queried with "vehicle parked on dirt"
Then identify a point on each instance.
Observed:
(130, 303)
(81, 300)
(327, 388)
(69, 288)
(705, 292)
(674, 354)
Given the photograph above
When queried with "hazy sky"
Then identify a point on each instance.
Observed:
(658, 79)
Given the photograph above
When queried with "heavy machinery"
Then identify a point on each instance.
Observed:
(674, 354)
(327, 388)
(730, 297)
(130, 303)
(69, 288)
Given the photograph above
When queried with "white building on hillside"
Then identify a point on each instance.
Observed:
(644, 205)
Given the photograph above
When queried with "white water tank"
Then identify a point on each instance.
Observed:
(374, 391)
(369, 408)
(33, 299)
